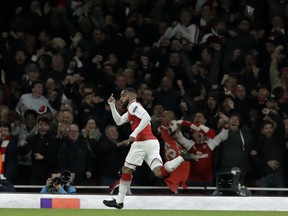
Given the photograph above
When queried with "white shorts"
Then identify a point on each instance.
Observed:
(148, 151)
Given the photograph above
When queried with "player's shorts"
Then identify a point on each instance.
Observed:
(148, 151)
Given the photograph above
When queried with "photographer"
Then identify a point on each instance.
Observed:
(59, 182)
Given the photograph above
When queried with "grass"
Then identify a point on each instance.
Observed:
(112, 212)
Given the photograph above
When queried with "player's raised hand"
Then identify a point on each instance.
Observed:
(111, 100)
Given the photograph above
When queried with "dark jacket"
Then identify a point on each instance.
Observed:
(48, 147)
(75, 157)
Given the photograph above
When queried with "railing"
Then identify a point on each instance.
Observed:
(152, 190)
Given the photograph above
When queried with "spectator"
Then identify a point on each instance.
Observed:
(92, 134)
(168, 96)
(242, 98)
(202, 144)
(59, 126)
(235, 150)
(147, 99)
(268, 154)
(31, 75)
(25, 129)
(184, 28)
(211, 109)
(172, 149)
(75, 155)
(8, 149)
(43, 147)
(278, 77)
(158, 111)
(92, 106)
(111, 147)
(35, 100)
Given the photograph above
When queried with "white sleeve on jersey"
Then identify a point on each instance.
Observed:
(186, 143)
(137, 110)
(119, 120)
(222, 136)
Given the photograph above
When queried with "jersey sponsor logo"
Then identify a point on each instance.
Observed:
(201, 155)
(135, 108)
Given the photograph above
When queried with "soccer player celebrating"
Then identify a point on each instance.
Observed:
(144, 145)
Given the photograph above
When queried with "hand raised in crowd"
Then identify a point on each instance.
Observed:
(75, 40)
(223, 120)
(3, 77)
(47, 8)
(265, 111)
(274, 164)
(276, 53)
(38, 156)
(23, 143)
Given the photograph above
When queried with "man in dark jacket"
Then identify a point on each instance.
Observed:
(43, 147)
(76, 156)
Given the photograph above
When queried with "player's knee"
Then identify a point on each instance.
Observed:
(157, 172)
(126, 170)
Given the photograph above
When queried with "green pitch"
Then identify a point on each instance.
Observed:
(112, 212)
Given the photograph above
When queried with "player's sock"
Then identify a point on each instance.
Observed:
(125, 182)
(173, 164)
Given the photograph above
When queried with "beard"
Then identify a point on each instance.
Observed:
(125, 104)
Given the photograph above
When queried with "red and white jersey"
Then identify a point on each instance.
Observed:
(135, 112)
(3, 148)
(172, 150)
(201, 170)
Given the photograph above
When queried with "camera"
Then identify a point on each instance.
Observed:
(56, 181)
(64, 179)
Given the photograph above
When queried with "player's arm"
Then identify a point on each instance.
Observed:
(186, 143)
(140, 112)
(119, 120)
(222, 136)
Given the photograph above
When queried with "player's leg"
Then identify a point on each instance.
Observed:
(125, 182)
(153, 159)
(134, 158)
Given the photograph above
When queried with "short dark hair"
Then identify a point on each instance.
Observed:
(30, 112)
(131, 90)
(37, 82)
(43, 118)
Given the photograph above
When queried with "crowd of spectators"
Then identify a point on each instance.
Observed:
(60, 60)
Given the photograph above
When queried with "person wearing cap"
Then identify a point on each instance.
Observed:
(34, 100)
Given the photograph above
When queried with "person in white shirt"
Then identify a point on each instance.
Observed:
(35, 100)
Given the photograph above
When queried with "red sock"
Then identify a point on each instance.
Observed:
(126, 177)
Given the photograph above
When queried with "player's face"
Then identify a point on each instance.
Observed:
(124, 99)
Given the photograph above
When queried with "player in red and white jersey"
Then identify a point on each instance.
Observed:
(144, 145)
(202, 144)
(173, 149)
